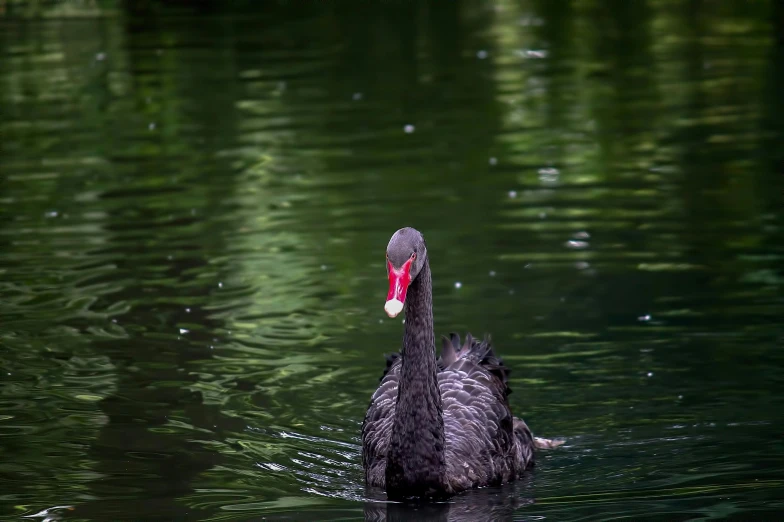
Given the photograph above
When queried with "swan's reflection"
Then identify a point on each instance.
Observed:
(477, 505)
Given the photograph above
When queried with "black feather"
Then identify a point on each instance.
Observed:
(455, 341)
(448, 353)
(391, 358)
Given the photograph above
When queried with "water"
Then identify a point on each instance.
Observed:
(194, 204)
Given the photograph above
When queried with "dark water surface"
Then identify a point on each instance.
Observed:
(195, 202)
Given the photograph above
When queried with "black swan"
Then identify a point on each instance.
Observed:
(435, 427)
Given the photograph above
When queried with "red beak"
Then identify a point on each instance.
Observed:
(399, 279)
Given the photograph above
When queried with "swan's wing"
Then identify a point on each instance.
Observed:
(479, 352)
(481, 440)
(377, 427)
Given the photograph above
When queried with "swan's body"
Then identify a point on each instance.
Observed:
(437, 427)
(483, 443)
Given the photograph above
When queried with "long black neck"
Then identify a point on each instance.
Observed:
(415, 461)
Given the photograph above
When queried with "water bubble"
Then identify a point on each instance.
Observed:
(531, 20)
(114, 321)
(380, 321)
(220, 285)
(644, 318)
(680, 397)
(458, 284)
(183, 331)
(323, 267)
(582, 235)
(169, 258)
(493, 161)
(542, 215)
(51, 214)
(582, 265)
(408, 129)
(492, 273)
(100, 57)
(187, 310)
(151, 126)
(512, 194)
(356, 96)
(531, 53)
(548, 175)
(577, 245)
(650, 374)
(482, 54)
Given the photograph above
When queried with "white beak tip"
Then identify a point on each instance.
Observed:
(393, 307)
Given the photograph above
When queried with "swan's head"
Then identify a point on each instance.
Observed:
(406, 255)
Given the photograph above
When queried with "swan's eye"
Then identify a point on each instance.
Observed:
(413, 255)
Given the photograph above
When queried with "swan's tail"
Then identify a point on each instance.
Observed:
(540, 443)
(527, 438)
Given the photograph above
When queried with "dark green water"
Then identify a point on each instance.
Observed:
(195, 202)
